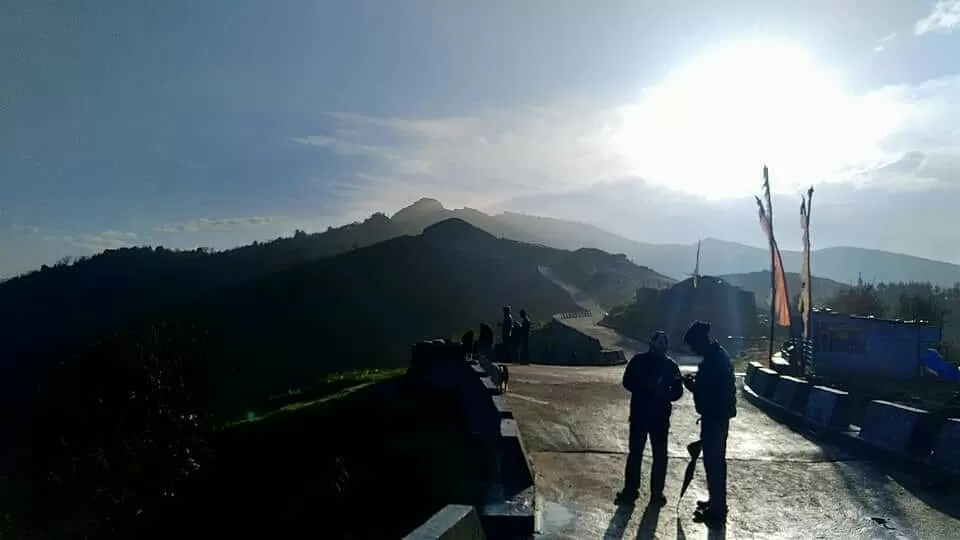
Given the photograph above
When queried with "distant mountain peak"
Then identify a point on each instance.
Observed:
(424, 206)
(456, 230)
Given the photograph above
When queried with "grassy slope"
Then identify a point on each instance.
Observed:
(332, 464)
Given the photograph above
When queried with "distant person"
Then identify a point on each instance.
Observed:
(524, 337)
(715, 397)
(467, 342)
(654, 382)
(504, 378)
(515, 342)
(485, 340)
(506, 326)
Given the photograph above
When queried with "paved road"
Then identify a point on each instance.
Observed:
(609, 339)
(782, 485)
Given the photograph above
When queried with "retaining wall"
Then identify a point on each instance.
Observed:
(946, 448)
(922, 442)
(752, 369)
(899, 428)
(452, 522)
(792, 393)
(765, 382)
(508, 508)
(829, 407)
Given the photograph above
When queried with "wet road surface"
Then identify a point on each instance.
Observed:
(781, 485)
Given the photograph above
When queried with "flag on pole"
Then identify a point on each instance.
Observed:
(696, 267)
(780, 304)
(806, 279)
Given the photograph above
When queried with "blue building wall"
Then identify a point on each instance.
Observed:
(846, 345)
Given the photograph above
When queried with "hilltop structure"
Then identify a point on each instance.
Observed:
(730, 310)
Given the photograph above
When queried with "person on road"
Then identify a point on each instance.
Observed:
(654, 382)
(715, 397)
(506, 335)
(524, 337)
(506, 326)
(485, 340)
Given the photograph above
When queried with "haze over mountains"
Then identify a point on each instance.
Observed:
(717, 257)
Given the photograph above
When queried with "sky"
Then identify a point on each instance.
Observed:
(217, 123)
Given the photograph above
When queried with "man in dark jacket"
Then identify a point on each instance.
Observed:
(715, 397)
(506, 326)
(653, 380)
(524, 337)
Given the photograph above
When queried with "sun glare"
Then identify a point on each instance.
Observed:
(708, 127)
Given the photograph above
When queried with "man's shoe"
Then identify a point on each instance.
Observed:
(658, 500)
(710, 517)
(626, 497)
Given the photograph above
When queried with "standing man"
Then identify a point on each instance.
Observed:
(715, 396)
(506, 332)
(654, 382)
(524, 337)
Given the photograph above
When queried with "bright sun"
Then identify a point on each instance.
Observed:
(708, 127)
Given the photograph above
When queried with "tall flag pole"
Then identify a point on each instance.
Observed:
(806, 276)
(779, 299)
(696, 268)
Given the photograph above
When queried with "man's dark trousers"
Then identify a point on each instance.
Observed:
(713, 436)
(657, 429)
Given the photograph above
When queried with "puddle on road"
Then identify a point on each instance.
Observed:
(552, 518)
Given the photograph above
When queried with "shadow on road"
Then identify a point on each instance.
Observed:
(618, 522)
(648, 522)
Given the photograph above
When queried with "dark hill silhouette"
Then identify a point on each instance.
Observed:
(93, 295)
(363, 309)
(279, 315)
(457, 232)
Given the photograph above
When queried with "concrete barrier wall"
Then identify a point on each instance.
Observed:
(829, 407)
(792, 393)
(452, 522)
(765, 382)
(508, 510)
(752, 368)
(489, 367)
(574, 315)
(946, 448)
(899, 428)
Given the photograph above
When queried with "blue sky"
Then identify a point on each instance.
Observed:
(220, 122)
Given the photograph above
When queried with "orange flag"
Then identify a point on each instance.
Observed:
(781, 304)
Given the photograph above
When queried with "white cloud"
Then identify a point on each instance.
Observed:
(712, 149)
(884, 42)
(944, 18)
(108, 239)
(25, 228)
(205, 224)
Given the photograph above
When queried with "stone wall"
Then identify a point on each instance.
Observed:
(507, 510)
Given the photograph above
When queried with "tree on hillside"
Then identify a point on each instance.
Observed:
(922, 307)
(860, 300)
(114, 431)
